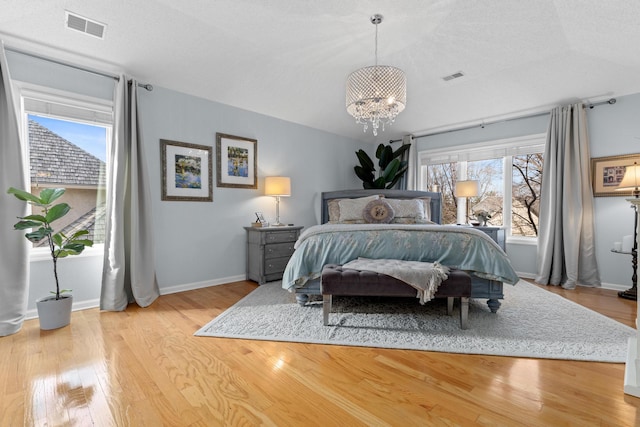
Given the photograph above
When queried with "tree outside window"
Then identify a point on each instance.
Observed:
(522, 172)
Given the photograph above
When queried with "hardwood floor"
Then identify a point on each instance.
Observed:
(144, 367)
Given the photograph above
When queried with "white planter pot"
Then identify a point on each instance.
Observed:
(54, 314)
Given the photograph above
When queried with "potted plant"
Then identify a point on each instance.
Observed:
(54, 311)
(391, 167)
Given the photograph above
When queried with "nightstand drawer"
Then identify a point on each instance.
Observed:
(275, 265)
(278, 250)
(281, 236)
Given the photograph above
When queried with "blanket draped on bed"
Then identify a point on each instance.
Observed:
(462, 248)
(425, 277)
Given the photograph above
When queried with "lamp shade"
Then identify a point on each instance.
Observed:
(277, 186)
(470, 188)
(631, 179)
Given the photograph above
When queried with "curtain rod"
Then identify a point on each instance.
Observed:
(609, 101)
(147, 86)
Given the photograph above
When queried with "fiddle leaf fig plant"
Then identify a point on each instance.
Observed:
(60, 245)
(391, 167)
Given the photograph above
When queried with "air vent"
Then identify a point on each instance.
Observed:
(84, 25)
(453, 76)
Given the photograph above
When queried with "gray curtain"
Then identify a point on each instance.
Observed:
(14, 262)
(408, 181)
(566, 242)
(411, 177)
(129, 260)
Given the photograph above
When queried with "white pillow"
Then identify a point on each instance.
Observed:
(411, 208)
(351, 209)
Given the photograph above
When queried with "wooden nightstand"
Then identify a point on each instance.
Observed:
(268, 251)
(496, 233)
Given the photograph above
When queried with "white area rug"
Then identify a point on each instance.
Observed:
(532, 322)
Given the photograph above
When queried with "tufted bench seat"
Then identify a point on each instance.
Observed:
(338, 281)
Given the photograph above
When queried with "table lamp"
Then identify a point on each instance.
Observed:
(278, 186)
(466, 189)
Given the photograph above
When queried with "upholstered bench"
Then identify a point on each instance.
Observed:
(338, 281)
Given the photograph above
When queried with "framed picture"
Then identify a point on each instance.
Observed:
(607, 172)
(237, 161)
(186, 171)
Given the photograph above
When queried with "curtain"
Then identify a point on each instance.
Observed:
(129, 260)
(14, 262)
(411, 177)
(566, 241)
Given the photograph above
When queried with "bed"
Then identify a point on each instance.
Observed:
(408, 228)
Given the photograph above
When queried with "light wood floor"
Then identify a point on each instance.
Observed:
(144, 367)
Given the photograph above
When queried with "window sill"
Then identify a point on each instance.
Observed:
(524, 241)
(43, 254)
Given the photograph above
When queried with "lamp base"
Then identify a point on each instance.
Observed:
(277, 224)
(631, 293)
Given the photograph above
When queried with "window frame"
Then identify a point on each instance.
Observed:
(83, 105)
(506, 149)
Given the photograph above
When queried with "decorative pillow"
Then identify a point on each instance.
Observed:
(351, 209)
(411, 208)
(334, 210)
(378, 212)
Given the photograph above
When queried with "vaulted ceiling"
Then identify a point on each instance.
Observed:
(290, 59)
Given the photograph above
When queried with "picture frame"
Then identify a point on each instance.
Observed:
(260, 218)
(607, 172)
(187, 171)
(237, 161)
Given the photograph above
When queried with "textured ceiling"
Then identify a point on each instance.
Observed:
(290, 59)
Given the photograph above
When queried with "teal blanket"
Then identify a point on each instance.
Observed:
(457, 247)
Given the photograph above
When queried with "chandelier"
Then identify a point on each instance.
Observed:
(376, 94)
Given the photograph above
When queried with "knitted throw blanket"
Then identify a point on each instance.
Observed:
(425, 277)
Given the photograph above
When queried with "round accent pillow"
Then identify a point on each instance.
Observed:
(378, 212)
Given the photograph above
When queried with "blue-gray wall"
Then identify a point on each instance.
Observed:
(198, 243)
(613, 130)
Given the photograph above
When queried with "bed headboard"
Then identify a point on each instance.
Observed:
(436, 199)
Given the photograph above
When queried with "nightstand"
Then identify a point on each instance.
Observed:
(496, 233)
(268, 251)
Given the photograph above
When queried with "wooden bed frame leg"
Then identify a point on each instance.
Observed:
(494, 305)
(326, 309)
(464, 312)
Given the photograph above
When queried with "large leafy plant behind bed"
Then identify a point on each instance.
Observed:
(391, 167)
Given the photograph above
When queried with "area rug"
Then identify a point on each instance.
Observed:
(531, 322)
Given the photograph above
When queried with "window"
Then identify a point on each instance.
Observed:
(67, 138)
(509, 173)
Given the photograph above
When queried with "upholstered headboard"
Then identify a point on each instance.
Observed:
(436, 199)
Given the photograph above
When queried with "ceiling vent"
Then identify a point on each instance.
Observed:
(84, 25)
(453, 76)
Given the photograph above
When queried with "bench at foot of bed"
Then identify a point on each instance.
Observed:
(338, 281)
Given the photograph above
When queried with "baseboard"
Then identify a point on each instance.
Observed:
(525, 275)
(93, 303)
(199, 285)
(615, 286)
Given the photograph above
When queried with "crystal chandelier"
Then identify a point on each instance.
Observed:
(377, 94)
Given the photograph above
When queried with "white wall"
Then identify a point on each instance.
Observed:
(613, 130)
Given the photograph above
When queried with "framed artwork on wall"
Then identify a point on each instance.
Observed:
(186, 171)
(607, 172)
(237, 161)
